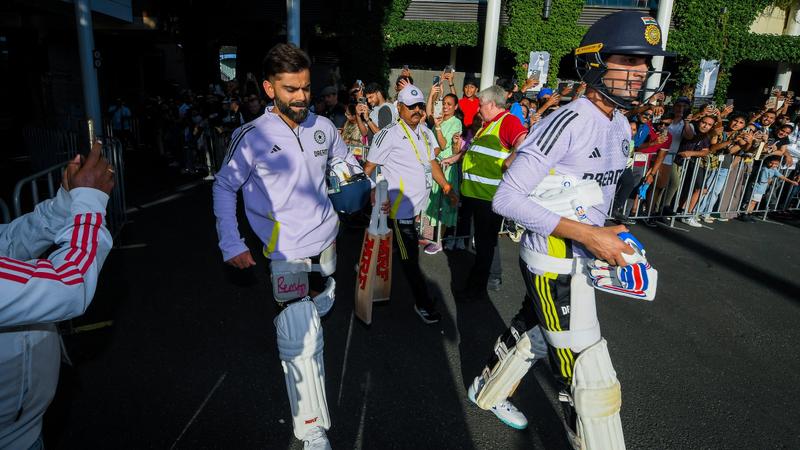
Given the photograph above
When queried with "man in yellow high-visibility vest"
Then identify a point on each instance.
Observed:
(490, 153)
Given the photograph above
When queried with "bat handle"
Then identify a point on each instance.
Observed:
(381, 196)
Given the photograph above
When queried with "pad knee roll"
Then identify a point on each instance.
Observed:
(300, 344)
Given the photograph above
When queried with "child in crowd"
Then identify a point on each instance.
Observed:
(768, 173)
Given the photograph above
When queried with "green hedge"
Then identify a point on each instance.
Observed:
(525, 32)
(701, 31)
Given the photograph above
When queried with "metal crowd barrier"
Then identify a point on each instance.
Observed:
(4, 212)
(213, 146)
(26, 194)
(49, 147)
(716, 197)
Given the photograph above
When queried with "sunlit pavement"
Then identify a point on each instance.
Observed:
(190, 359)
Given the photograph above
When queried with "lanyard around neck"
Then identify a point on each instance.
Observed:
(414, 144)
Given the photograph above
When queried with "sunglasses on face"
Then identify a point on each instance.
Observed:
(647, 115)
(419, 105)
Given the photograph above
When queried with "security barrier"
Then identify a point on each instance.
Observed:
(695, 190)
(26, 192)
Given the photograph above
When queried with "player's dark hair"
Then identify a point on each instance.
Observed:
(768, 160)
(284, 58)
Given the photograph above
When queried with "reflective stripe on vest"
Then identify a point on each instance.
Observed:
(483, 162)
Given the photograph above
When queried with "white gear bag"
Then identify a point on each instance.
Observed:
(290, 279)
(300, 345)
(597, 397)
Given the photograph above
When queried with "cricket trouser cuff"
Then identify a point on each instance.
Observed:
(300, 345)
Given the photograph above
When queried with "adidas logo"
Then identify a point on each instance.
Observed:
(276, 149)
(595, 153)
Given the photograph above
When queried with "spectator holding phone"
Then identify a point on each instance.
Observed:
(667, 173)
(351, 135)
(373, 111)
(691, 153)
(439, 210)
(37, 293)
(724, 145)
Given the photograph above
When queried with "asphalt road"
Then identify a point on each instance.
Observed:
(191, 362)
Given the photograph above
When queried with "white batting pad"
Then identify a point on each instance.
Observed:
(598, 398)
(300, 346)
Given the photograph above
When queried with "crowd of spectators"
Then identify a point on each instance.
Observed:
(701, 163)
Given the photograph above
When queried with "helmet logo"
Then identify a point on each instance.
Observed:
(652, 34)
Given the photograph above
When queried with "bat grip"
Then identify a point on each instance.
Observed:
(381, 196)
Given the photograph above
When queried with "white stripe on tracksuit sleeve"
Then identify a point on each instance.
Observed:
(60, 287)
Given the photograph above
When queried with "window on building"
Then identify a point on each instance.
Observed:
(650, 4)
(227, 62)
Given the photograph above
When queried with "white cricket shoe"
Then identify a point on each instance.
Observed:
(505, 410)
(316, 439)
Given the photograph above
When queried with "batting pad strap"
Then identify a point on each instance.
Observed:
(598, 399)
(546, 263)
(324, 300)
(327, 261)
(573, 338)
(300, 344)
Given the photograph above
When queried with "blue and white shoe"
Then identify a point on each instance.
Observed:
(505, 410)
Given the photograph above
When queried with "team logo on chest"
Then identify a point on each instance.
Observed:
(319, 137)
(626, 147)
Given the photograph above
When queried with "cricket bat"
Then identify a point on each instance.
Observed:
(373, 282)
(383, 266)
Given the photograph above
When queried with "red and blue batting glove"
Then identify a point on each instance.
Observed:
(636, 280)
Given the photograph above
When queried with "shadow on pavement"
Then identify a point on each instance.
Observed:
(743, 267)
(479, 325)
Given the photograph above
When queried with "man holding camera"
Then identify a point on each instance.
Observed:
(373, 112)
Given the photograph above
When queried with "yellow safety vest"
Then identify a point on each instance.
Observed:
(483, 162)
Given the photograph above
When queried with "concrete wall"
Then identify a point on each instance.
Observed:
(423, 79)
(771, 21)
